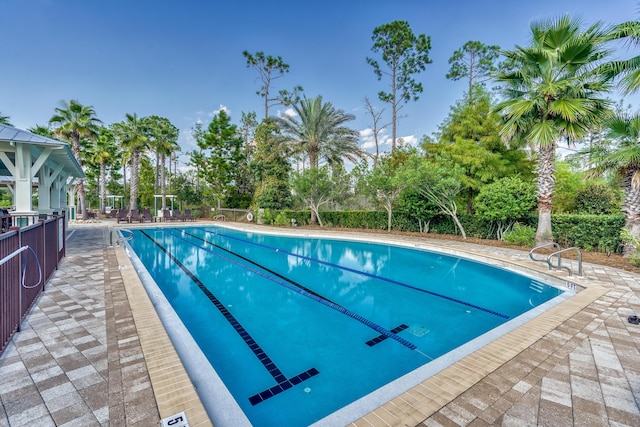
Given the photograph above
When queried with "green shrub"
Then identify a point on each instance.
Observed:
(281, 219)
(522, 235)
(597, 199)
(591, 232)
(267, 217)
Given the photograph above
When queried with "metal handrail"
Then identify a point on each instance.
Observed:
(14, 254)
(121, 238)
(567, 268)
(554, 244)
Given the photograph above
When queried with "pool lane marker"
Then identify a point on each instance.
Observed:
(290, 284)
(283, 383)
(364, 273)
(380, 338)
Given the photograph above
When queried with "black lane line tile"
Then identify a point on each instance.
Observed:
(279, 388)
(381, 338)
(271, 367)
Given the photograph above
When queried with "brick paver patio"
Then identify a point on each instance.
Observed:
(85, 356)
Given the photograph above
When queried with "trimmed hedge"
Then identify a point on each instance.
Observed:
(592, 232)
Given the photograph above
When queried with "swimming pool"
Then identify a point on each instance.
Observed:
(298, 328)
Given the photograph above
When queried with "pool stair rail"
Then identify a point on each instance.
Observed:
(123, 235)
(558, 253)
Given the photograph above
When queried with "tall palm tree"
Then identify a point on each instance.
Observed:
(553, 92)
(131, 134)
(622, 157)
(628, 70)
(74, 122)
(102, 153)
(163, 139)
(318, 131)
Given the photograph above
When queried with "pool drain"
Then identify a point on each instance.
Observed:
(418, 331)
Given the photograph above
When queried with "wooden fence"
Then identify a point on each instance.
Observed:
(28, 258)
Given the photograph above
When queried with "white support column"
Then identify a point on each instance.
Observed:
(58, 191)
(23, 177)
(72, 193)
(44, 190)
(47, 178)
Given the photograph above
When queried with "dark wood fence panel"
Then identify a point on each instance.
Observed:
(23, 276)
(32, 272)
(9, 288)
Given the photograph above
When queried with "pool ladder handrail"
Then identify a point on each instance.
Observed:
(544, 245)
(122, 238)
(563, 266)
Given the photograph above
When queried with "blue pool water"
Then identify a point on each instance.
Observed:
(297, 328)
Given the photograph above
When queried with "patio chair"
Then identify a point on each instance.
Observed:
(188, 216)
(146, 216)
(178, 216)
(166, 215)
(122, 216)
(134, 215)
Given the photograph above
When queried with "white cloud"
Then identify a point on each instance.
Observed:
(289, 112)
(368, 142)
(365, 133)
(221, 108)
(409, 139)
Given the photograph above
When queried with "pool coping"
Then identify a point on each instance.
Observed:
(408, 408)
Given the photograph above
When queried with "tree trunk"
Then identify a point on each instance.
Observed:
(81, 200)
(163, 182)
(459, 225)
(103, 187)
(313, 163)
(546, 186)
(631, 208)
(81, 197)
(133, 203)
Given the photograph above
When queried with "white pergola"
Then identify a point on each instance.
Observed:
(28, 160)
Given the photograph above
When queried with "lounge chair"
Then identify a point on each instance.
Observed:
(166, 215)
(188, 216)
(178, 216)
(146, 216)
(134, 215)
(122, 216)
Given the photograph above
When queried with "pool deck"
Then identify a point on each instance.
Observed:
(92, 352)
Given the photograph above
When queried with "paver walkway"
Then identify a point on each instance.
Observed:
(79, 359)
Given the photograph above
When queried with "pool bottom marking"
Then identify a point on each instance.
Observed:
(283, 383)
(294, 286)
(364, 273)
(380, 338)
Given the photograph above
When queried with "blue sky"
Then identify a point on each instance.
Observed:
(183, 59)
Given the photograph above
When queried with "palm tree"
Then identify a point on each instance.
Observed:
(553, 92)
(42, 130)
(73, 122)
(131, 134)
(4, 120)
(623, 158)
(102, 153)
(163, 138)
(628, 70)
(318, 131)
